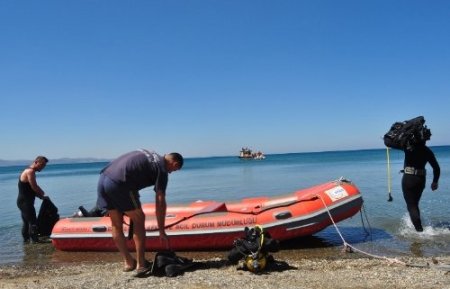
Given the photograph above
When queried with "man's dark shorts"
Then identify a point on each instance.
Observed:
(116, 196)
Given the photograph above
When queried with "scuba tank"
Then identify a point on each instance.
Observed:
(254, 248)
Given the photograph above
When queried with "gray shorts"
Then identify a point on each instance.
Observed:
(116, 196)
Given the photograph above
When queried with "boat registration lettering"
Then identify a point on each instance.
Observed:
(336, 193)
(202, 225)
(236, 222)
(81, 229)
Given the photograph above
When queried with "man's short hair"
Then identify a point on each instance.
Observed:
(41, 159)
(177, 158)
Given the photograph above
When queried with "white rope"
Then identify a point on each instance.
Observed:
(347, 245)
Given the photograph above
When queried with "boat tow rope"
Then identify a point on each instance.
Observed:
(350, 249)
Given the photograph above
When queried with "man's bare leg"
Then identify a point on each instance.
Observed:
(119, 238)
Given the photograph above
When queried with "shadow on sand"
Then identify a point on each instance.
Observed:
(272, 266)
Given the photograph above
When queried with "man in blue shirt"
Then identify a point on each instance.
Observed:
(118, 192)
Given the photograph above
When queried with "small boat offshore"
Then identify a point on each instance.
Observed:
(211, 225)
(248, 154)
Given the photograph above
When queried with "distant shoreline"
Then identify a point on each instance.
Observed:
(5, 163)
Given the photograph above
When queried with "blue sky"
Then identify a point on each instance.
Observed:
(99, 78)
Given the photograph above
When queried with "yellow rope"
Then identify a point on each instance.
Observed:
(388, 174)
(262, 237)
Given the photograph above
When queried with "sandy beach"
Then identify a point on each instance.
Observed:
(345, 271)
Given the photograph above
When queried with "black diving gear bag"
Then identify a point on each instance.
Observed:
(407, 134)
(167, 263)
(47, 217)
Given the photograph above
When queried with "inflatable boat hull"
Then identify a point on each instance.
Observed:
(214, 225)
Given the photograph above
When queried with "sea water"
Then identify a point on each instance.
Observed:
(382, 229)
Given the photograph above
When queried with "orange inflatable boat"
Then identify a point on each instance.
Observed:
(210, 225)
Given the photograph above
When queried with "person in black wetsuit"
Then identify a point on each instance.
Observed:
(414, 179)
(28, 191)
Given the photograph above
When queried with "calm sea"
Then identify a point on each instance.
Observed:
(229, 178)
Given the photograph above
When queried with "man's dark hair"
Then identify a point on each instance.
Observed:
(178, 158)
(41, 159)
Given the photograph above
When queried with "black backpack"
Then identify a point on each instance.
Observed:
(167, 263)
(407, 134)
(47, 217)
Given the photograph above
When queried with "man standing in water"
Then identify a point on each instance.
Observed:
(118, 192)
(414, 179)
(28, 191)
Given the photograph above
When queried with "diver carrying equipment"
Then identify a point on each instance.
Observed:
(407, 134)
(254, 248)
